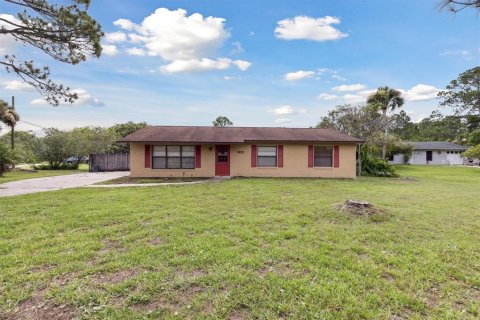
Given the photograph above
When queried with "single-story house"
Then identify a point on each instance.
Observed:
(432, 152)
(187, 151)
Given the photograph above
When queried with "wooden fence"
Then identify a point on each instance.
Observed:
(109, 162)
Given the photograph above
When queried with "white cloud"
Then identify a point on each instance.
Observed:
(228, 78)
(134, 51)
(109, 49)
(283, 110)
(302, 27)
(298, 75)
(202, 65)
(242, 65)
(125, 24)
(283, 120)
(8, 43)
(420, 92)
(358, 97)
(349, 87)
(17, 85)
(465, 54)
(173, 35)
(327, 96)
(338, 77)
(287, 110)
(187, 43)
(84, 99)
(114, 37)
(333, 74)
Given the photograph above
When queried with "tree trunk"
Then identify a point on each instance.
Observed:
(12, 141)
(385, 136)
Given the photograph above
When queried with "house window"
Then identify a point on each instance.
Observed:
(267, 156)
(173, 157)
(390, 157)
(322, 156)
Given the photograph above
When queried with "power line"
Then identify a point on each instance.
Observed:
(33, 124)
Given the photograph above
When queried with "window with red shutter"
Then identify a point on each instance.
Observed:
(310, 156)
(254, 156)
(148, 156)
(198, 156)
(336, 156)
(280, 156)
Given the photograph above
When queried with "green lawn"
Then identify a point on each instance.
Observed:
(247, 248)
(21, 175)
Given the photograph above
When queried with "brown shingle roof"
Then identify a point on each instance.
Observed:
(186, 134)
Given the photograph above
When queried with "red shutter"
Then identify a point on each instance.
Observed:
(198, 156)
(280, 156)
(310, 156)
(148, 156)
(336, 156)
(254, 156)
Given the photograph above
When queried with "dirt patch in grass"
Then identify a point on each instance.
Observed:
(39, 308)
(187, 295)
(360, 208)
(116, 277)
(407, 179)
(156, 241)
(208, 308)
(111, 245)
(40, 269)
(238, 314)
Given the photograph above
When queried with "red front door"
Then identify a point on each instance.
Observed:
(222, 160)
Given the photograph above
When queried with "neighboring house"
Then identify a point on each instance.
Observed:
(433, 152)
(169, 151)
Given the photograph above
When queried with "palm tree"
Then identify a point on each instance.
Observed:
(385, 99)
(9, 117)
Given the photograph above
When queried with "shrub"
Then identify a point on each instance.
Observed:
(6, 157)
(62, 166)
(472, 152)
(376, 167)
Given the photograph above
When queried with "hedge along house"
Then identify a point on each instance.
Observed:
(168, 151)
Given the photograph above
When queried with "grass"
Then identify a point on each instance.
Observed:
(133, 180)
(22, 175)
(247, 248)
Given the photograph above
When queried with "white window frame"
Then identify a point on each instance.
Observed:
(181, 157)
(319, 146)
(276, 156)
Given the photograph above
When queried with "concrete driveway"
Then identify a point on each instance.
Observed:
(56, 183)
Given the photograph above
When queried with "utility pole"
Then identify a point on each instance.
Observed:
(12, 139)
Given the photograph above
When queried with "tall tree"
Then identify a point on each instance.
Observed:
(222, 121)
(65, 32)
(458, 5)
(121, 130)
(357, 121)
(463, 93)
(9, 117)
(402, 126)
(385, 99)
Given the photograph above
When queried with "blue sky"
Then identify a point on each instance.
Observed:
(260, 63)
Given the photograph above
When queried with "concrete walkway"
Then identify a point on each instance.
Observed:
(56, 183)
